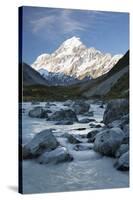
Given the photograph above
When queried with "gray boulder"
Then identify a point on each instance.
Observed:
(43, 141)
(56, 156)
(72, 138)
(38, 112)
(63, 115)
(123, 162)
(80, 107)
(115, 110)
(108, 141)
(122, 149)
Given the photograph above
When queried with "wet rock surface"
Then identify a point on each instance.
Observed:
(122, 149)
(43, 141)
(115, 110)
(38, 112)
(63, 115)
(72, 138)
(108, 141)
(80, 107)
(60, 154)
(123, 162)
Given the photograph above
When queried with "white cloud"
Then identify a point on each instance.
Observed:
(55, 23)
(63, 21)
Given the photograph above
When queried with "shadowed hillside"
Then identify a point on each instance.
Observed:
(31, 77)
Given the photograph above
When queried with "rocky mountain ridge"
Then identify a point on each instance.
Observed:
(73, 60)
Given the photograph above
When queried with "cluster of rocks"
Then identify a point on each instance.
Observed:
(45, 148)
(64, 116)
(109, 140)
(38, 112)
(113, 139)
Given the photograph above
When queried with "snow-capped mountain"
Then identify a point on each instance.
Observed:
(73, 61)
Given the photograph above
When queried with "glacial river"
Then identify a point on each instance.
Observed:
(88, 170)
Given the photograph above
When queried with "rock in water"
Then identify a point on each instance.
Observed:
(63, 115)
(116, 109)
(108, 141)
(58, 155)
(122, 149)
(72, 138)
(38, 112)
(80, 107)
(43, 141)
(123, 162)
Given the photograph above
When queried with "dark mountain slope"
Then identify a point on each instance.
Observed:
(101, 86)
(31, 77)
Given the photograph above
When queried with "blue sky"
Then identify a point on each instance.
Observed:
(44, 29)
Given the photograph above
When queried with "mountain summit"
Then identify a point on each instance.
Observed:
(73, 42)
(73, 59)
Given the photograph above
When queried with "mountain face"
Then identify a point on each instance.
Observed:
(73, 61)
(111, 85)
(31, 76)
(114, 84)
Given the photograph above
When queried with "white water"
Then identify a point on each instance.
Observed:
(88, 170)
